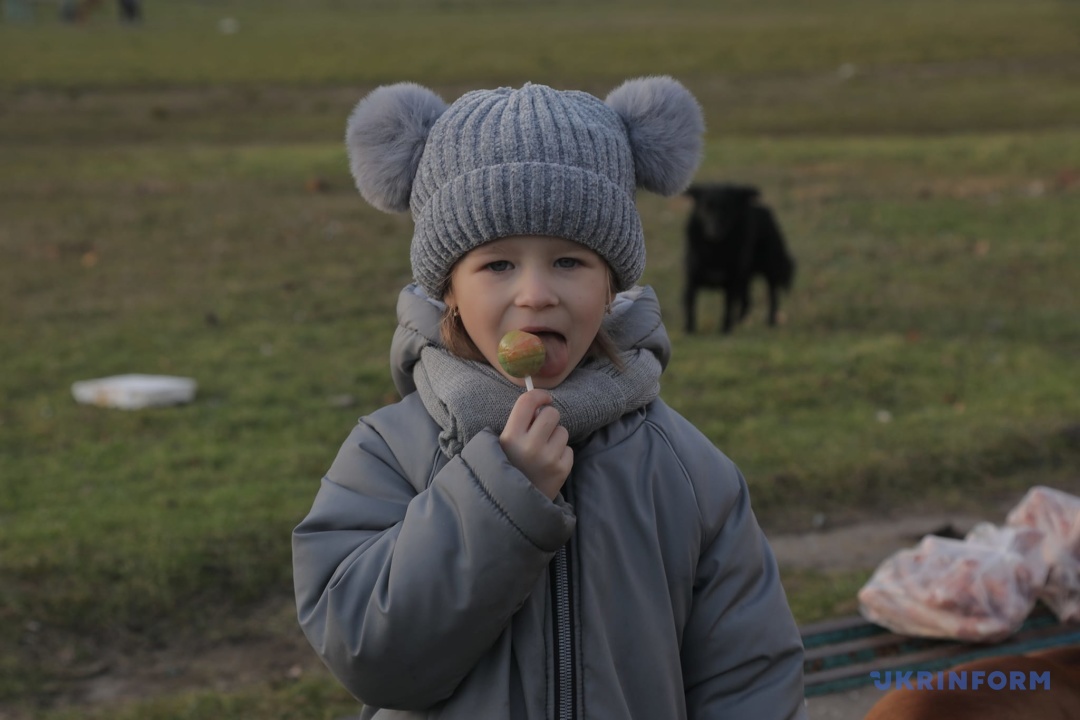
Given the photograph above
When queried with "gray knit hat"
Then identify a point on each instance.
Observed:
(531, 161)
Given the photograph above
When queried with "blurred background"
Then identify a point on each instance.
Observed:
(175, 199)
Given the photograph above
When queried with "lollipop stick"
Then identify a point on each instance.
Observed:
(528, 382)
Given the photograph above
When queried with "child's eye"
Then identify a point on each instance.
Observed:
(498, 265)
(567, 262)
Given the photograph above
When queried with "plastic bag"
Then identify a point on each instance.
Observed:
(978, 590)
(1025, 541)
(1056, 515)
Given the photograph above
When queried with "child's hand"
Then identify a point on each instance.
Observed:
(535, 442)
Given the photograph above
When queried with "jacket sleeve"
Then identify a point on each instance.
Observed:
(742, 653)
(402, 591)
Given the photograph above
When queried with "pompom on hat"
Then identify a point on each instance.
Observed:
(530, 161)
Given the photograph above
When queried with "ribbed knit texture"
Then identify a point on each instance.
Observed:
(532, 161)
(466, 396)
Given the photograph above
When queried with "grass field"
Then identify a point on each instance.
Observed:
(156, 216)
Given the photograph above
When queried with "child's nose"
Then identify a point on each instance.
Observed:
(535, 289)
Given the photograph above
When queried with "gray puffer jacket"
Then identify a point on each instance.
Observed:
(436, 587)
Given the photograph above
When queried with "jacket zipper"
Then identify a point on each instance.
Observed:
(562, 608)
(565, 680)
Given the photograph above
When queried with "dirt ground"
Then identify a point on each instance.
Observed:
(268, 647)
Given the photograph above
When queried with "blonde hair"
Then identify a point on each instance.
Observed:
(455, 338)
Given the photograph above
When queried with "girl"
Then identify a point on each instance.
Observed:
(575, 551)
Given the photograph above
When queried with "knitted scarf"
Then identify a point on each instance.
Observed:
(466, 396)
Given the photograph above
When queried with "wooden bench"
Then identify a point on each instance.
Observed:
(841, 653)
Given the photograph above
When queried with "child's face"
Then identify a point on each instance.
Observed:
(551, 287)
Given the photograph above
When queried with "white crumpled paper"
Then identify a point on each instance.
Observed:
(135, 391)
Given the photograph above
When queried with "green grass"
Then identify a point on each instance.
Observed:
(316, 698)
(770, 67)
(816, 595)
(155, 217)
(290, 41)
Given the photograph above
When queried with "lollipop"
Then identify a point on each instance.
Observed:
(521, 354)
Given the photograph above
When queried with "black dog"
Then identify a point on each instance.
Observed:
(730, 238)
